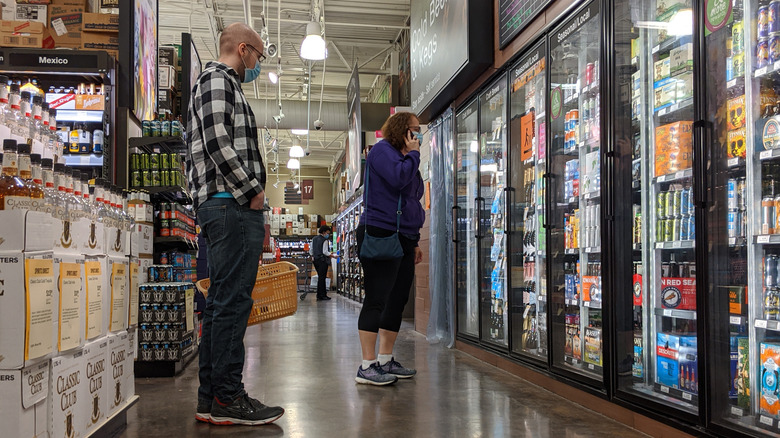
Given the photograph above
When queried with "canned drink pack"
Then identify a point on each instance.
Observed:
(772, 304)
(732, 218)
(677, 203)
(738, 65)
(146, 178)
(156, 128)
(660, 205)
(729, 69)
(731, 194)
(768, 215)
(774, 17)
(155, 178)
(154, 161)
(762, 53)
(692, 227)
(685, 228)
(136, 179)
(685, 195)
(741, 193)
(668, 230)
(676, 229)
(763, 21)
(737, 38)
(770, 270)
(165, 161)
(774, 48)
(670, 204)
(660, 225)
(144, 162)
(146, 127)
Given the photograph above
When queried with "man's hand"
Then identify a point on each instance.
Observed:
(417, 255)
(257, 202)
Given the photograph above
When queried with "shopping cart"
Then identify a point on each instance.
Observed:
(305, 265)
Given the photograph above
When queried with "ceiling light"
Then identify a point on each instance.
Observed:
(293, 164)
(313, 46)
(296, 151)
(299, 131)
(273, 77)
(474, 146)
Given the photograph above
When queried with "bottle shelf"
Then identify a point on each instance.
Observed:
(767, 70)
(770, 154)
(677, 393)
(679, 106)
(90, 160)
(677, 244)
(674, 313)
(679, 175)
(771, 239)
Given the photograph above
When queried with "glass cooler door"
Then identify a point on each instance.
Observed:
(492, 202)
(655, 283)
(527, 127)
(466, 217)
(575, 194)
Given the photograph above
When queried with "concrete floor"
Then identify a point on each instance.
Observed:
(307, 364)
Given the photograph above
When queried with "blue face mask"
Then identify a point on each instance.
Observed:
(419, 137)
(251, 75)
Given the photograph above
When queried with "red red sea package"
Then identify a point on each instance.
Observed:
(678, 293)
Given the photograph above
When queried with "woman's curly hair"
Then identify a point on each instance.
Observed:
(395, 128)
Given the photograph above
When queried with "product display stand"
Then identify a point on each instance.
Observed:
(350, 273)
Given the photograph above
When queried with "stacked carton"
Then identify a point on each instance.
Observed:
(66, 336)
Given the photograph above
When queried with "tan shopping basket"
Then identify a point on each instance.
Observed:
(275, 292)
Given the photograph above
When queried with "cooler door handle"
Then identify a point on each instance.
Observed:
(455, 225)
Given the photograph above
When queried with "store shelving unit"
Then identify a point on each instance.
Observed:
(350, 273)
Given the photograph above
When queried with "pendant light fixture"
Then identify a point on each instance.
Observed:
(313, 46)
(293, 164)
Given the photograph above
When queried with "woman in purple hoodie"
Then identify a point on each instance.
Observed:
(392, 169)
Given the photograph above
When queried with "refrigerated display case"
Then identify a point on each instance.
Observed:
(657, 304)
(528, 257)
(575, 194)
(492, 201)
(466, 220)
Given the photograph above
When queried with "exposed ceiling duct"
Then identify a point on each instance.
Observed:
(334, 115)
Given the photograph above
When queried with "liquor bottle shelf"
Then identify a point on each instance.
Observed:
(677, 393)
(675, 107)
(682, 174)
(771, 239)
(770, 154)
(772, 325)
(675, 313)
(676, 244)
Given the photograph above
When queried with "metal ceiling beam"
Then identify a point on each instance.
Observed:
(338, 52)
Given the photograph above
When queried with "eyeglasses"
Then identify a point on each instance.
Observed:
(260, 56)
(415, 128)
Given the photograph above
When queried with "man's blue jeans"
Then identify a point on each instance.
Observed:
(234, 237)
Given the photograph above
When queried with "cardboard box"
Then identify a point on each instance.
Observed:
(167, 101)
(103, 6)
(132, 353)
(770, 379)
(98, 296)
(638, 367)
(664, 93)
(678, 293)
(26, 231)
(673, 147)
(100, 41)
(67, 396)
(687, 358)
(24, 391)
(142, 240)
(593, 346)
(166, 77)
(681, 59)
(736, 113)
(742, 382)
(66, 24)
(95, 22)
(27, 34)
(118, 368)
(118, 269)
(684, 86)
(134, 276)
(90, 102)
(28, 306)
(144, 262)
(69, 278)
(168, 56)
(116, 241)
(95, 375)
(18, 11)
(667, 348)
(661, 69)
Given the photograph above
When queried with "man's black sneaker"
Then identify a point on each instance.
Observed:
(245, 411)
(203, 413)
(325, 298)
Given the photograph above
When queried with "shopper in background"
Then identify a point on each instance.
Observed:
(393, 170)
(227, 177)
(320, 251)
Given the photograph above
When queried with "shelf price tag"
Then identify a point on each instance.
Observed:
(733, 162)
(673, 108)
(776, 65)
(676, 244)
(760, 323)
(665, 389)
(732, 241)
(760, 71)
(679, 175)
(687, 396)
(763, 239)
(667, 312)
(737, 411)
(766, 420)
(591, 366)
(735, 320)
(575, 361)
(659, 246)
(656, 49)
(731, 83)
(765, 155)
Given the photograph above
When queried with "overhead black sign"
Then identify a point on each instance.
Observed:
(54, 61)
(528, 67)
(451, 43)
(572, 26)
(515, 15)
(355, 137)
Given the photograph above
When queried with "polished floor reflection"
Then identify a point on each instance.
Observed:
(307, 364)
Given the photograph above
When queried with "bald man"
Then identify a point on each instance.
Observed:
(226, 179)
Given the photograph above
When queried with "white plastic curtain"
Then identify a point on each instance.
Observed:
(441, 324)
